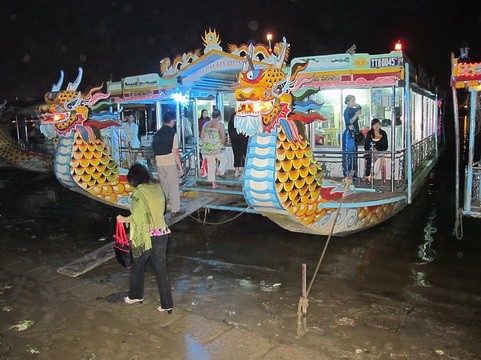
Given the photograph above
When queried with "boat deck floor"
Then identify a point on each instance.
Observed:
(229, 194)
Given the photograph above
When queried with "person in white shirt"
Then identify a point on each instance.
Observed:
(131, 132)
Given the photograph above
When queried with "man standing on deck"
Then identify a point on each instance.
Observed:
(167, 158)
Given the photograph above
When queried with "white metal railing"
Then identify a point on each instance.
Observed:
(475, 182)
(421, 151)
(331, 163)
(145, 156)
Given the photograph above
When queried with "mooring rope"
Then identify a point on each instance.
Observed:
(204, 222)
(458, 224)
(304, 300)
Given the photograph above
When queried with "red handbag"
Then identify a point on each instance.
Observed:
(123, 251)
(203, 168)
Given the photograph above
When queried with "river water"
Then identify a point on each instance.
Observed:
(405, 288)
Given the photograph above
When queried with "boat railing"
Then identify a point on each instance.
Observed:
(331, 162)
(473, 205)
(187, 159)
(422, 151)
(145, 156)
(142, 155)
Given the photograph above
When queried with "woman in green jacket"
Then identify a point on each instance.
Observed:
(149, 236)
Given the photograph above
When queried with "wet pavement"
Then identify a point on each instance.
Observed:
(403, 289)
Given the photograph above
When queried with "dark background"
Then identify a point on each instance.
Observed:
(122, 38)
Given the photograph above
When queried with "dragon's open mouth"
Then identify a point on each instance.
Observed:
(248, 107)
(57, 117)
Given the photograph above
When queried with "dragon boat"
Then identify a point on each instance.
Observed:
(293, 115)
(12, 154)
(83, 161)
(292, 181)
(466, 75)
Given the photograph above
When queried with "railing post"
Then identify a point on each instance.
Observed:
(456, 139)
(158, 115)
(469, 173)
(436, 118)
(393, 135)
(407, 126)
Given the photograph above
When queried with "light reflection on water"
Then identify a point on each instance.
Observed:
(194, 350)
(426, 253)
(419, 278)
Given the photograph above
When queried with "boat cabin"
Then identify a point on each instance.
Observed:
(387, 89)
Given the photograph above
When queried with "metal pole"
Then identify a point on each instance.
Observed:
(304, 296)
(18, 129)
(435, 125)
(158, 115)
(456, 138)
(180, 124)
(146, 121)
(393, 136)
(120, 143)
(26, 130)
(304, 286)
(195, 121)
(469, 175)
(407, 122)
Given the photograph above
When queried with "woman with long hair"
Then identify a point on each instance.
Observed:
(204, 117)
(149, 236)
(376, 142)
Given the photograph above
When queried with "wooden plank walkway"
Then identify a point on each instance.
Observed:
(106, 252)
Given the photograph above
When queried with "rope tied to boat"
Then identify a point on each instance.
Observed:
(458, 230)
(205, 222)
(304, 299)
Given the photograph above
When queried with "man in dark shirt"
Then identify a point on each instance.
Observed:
(167, 158)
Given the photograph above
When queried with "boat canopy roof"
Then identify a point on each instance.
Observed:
(203, 74)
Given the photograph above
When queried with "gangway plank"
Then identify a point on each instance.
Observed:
(105, 253)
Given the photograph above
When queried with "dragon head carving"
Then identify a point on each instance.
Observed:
(264, 98)
(68, 109)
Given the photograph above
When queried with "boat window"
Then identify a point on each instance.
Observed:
(327, 132)
(434, 107)
(417, 116)
(430, 114)
(425, 125)
(382, 110)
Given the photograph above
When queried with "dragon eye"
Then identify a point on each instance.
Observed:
(253, 75)
(70, 105)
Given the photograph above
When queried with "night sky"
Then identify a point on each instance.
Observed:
(122, 38)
